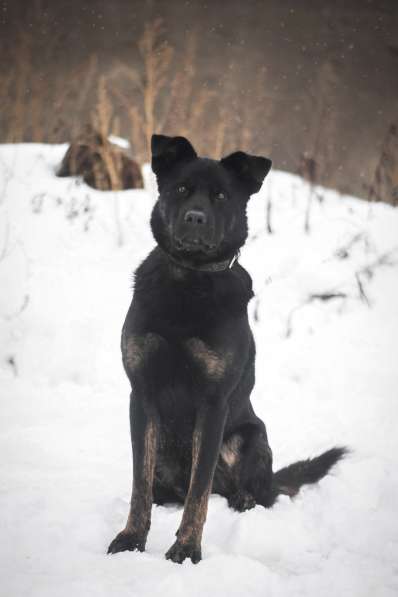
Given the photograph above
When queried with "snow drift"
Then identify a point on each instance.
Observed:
(325, 319)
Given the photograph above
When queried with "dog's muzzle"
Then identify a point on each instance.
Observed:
(194, 232)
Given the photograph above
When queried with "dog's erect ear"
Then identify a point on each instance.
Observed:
(168, 151)
(250, 169)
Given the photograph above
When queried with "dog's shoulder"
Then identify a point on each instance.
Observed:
(152, 263)
(245, 279)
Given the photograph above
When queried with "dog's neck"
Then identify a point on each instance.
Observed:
(214, 266)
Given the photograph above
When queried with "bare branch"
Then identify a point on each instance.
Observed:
(21, 308)
(362, 294)
(326, 296)
(386, 259)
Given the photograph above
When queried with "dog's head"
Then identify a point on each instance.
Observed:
(200, 215)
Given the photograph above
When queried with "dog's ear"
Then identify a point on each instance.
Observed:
(249, 169)
(168, 151)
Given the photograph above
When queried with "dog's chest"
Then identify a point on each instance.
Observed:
(174, 358)
(179, 373)
(191, 305)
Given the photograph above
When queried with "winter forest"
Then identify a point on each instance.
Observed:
(314, 87)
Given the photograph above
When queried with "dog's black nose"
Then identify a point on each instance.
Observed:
(195, 217)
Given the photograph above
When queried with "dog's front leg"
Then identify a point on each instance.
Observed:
(206, 443)
(144, 431)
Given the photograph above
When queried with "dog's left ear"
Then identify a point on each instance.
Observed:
(250, 169)
(169, 151)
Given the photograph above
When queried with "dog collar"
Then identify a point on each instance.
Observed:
(216, 266)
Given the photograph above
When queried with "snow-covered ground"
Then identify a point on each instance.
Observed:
(327, 374)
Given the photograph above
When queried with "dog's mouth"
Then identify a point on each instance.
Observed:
(194, 245)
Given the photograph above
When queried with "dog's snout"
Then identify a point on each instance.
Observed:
(195, 217)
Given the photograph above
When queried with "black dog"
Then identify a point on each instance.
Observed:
(189, 354)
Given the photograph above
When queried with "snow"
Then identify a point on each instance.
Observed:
(326, 375)
(123, 143)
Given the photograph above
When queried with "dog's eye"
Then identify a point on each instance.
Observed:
(220, 196)
(182, 189)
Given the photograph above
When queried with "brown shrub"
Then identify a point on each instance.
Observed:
(102, 164)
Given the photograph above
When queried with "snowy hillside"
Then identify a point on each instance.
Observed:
(325, 318)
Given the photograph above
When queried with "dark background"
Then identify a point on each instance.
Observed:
(312, 84)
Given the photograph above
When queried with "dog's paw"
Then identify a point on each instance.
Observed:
(241, 501)
(180, 551)
(126, 541)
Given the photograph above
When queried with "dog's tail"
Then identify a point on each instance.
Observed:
(289, 479)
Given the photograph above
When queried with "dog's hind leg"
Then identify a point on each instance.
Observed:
(251, 468)
(144, 432)
(245, 477)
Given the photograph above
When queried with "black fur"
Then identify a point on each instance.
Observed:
(189, 354)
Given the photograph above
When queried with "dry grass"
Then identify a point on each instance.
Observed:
(164, 96)
(156, 93)
(322, 102)
(21, 88)
(6, 80)
(315, 163)
(103, 121)
(147, 83)
(186, 102)
(156, 56)
(384, 186)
